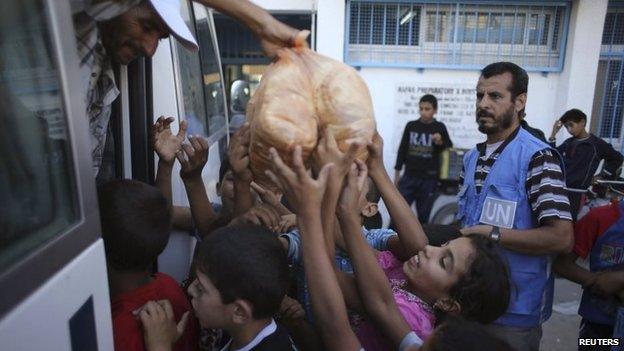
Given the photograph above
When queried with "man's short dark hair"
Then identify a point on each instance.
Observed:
(519, 77)
(430, 99)
(136, 221)
(573, 115)
(246, 262)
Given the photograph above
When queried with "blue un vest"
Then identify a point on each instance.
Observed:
(503, 199)
(607, 254)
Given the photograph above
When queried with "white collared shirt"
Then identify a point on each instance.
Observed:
(268, 330)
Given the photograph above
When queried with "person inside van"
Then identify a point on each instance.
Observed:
(582, 153)
(135, 223)
(117, 32)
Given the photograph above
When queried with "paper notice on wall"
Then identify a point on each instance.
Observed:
(456, 109)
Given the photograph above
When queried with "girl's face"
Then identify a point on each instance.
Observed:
(433, 271)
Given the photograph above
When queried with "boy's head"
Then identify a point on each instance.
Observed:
(225, 186)
(428, 107)
(460, 334)
(135, 222)
(242, 276)
(369, 200)
(574, 121)
(464, 277)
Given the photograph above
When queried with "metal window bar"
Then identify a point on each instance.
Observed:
(399, 33)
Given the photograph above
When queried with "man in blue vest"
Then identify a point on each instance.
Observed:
(513, 191)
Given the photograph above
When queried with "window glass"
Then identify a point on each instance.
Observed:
(200, 77)
(211, 73)
(191, 82)
(38, 201)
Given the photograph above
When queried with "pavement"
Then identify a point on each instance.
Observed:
(560, 332)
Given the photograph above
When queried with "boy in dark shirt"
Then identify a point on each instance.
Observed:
(419, 151)
(582, 154)
(135, 228)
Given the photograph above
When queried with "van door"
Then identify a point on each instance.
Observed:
(52, 263)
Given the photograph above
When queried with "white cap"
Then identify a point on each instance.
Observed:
(169, 11)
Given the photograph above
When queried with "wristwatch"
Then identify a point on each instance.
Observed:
(495, 234)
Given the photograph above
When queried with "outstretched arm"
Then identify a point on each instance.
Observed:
(373, 285)
(305, 194)
(166, 145)
(238, 154)
(272, 33)
(192, 162)
(408, 227)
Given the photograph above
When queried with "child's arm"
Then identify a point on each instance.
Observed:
(166, 145)
(160, 330)
(373, 285)
(238, 154)
(565, 265)
(327, 152)
(292, 316)
(271, 198)
(196, 156)
(408, 227)
(305, 194)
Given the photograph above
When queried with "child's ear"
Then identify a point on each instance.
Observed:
(242, 312)
(448, 306)
(370, 209)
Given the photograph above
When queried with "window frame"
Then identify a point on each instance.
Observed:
(213, 137)
(425, 46)
(32, 271)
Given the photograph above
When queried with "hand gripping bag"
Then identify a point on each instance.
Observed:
(300, 94)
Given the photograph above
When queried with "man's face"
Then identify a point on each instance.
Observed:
(495, 109)
(134, 33)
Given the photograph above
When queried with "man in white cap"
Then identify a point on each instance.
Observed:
(119, 31)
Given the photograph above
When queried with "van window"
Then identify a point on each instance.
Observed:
(37, 179)
(200, 77)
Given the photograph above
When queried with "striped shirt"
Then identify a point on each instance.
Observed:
(545, 182)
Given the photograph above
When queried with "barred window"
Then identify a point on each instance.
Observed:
(464, 35)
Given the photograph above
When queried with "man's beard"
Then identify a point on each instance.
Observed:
(501, 123)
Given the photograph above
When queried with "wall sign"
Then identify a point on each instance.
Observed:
(456, 109)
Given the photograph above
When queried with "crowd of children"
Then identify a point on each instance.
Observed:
(303, 270)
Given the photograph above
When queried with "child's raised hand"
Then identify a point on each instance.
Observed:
(375, 154)
(193, 158)
(159, 325)
(238, 154)
(267, 196)
(327, 151)
(352, 191)
(263, 215)
(164, 142)
(302, 191)
(287, 223)
(291, 311)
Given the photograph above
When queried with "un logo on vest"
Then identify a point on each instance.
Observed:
(499, 213)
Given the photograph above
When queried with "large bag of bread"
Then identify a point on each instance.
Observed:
(300, 94)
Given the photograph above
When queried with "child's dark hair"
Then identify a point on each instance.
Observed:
(573, 115)
(459, 334)
(430, 99)
(246, 262)
(224, 168)
(372, 195)
(135, 220)
(483, 291)
(438, 234)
